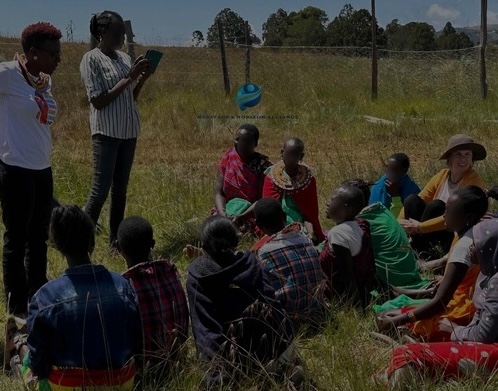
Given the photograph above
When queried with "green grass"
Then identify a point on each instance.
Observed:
(429, 97)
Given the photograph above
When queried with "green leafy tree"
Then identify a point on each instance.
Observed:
(233, 30)
(197, 38)
(306, 28)
(275, 28)
(413, 36)
(449, 39)
(353, 28)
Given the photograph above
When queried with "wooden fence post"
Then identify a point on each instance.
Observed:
(482, 48)
(226, 80)
(248, 53)
(375, 69)
(129, 40)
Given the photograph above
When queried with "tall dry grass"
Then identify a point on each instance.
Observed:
(428, 98)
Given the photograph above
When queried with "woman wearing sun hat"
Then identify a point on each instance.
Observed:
(422, 215)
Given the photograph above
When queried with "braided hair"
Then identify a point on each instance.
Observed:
(101, 21)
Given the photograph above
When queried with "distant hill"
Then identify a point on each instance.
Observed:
(473, 33)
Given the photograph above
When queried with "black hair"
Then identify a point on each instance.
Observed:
(135, 238)
(219, 238)
(269, 214)
(352, 196)
(35, 34)
(72, 230)
(474, 202)
(252, 130)
(364, 186)
(297, 142)
(402, 159)
(101, 21)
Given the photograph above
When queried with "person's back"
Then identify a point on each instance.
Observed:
(292, 263)
(87, 318)
(394, 259)
(294, 270)
(161, 298)
(236, 321)
(163, 305)
(84, 327)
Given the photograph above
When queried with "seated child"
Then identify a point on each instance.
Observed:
(393, 187)
(395, 262)
(161, 298)
(347, 258)
(293, 184)
(292, 264)
(473, 349)
(237, 323)
(84, 327)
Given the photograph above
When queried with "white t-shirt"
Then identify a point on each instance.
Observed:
(348, 235)
(24, 141)
(445, 192)
(461, 251)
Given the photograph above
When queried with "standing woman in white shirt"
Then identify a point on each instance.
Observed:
(112, 84)
(27, 109)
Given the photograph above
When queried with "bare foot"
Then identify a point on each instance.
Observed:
(192, 252)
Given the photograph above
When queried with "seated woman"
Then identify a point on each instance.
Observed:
(293, 184)
(395, 186)
(394, 261)
(239, 181)
(84, 327)
(236, 321)
(422, 216)
(453, 297)
(347, 258)
(473, 348)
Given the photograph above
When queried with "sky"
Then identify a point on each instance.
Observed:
(172, 22)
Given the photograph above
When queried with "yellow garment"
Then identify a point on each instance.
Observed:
(460, 309)
(431, 191)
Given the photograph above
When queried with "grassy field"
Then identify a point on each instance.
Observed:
(429, 98)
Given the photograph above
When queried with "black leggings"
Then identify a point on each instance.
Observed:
(417, 209)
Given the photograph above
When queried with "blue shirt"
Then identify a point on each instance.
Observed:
(87, 318)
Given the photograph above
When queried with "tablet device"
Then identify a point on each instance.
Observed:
(154, 57)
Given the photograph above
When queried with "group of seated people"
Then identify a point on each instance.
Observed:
(93, 327)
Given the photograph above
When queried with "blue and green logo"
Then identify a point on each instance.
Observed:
(248, 95)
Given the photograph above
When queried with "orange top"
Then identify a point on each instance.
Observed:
(432, 190)
(460, 309)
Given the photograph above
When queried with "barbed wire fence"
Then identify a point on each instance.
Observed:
(317, 71)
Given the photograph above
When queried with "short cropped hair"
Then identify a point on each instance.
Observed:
(35, 34)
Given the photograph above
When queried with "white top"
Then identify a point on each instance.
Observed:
(348, 235)
(100, 73)
(24, 141)
(445, 192)
(461, 251)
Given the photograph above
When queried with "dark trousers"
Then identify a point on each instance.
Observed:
(417, 209)
(112, 161)
(26, 197)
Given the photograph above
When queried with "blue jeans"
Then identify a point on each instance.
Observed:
(112, 161)
(26, 197)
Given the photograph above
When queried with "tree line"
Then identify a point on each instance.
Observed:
(311, 27)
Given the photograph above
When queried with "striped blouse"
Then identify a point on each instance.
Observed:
(100, 73)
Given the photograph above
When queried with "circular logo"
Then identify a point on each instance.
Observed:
(248, 95)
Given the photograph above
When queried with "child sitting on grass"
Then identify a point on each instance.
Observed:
(395, 185)
(237, 323)
(161, 298)
(347, 258)
(84, 327)
(292, 264)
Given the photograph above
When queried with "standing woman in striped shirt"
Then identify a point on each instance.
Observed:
(112, 84)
